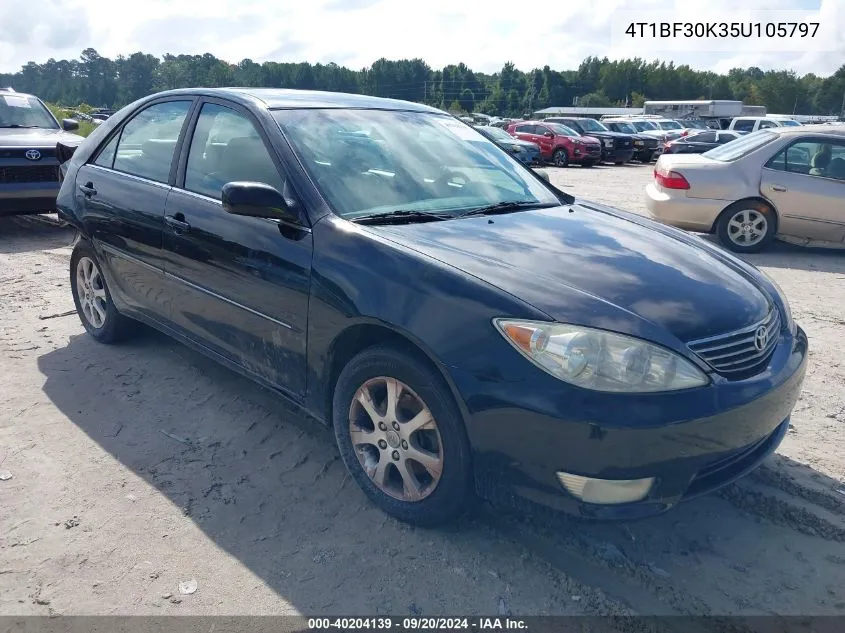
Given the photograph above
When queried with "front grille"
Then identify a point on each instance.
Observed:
(651, 143)
(739, 354)
(20, 152)
(36, 173)
(594, 149)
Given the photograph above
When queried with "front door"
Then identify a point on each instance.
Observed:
(806, 183)
(123, 191)
(245, 281)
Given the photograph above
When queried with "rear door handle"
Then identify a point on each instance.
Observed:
(177, 223)
(88, 189)
(778, 188)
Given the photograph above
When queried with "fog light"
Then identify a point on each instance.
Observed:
(606, 490)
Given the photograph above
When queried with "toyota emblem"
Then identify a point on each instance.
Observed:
(761, 337)
(33, 154)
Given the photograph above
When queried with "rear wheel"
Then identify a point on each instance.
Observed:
(747, 227)
(402, 438)
(91, 296)
(560, 158)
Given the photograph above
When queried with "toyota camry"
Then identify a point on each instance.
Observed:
(466, 328)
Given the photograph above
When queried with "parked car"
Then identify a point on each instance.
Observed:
(646, 147)
(558, 144)
(784, 182)
(616, 147)
(642, 126)
(754, 123)
(699, 142)
(463, 326)
(524, 151)
(29, 171)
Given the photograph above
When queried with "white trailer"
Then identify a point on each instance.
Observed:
(698, 109)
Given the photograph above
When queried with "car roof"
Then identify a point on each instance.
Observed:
(818, 128)
(283, 98)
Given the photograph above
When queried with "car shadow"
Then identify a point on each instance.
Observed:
(782, 255)
(266, 485)
(26, 233)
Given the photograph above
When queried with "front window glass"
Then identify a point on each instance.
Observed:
(740, 147)
(643, 126)
(561, 130)
(625, 128)
(591, 125)
(24, 111)
(375, 161)
(670, 125)
(149, 139)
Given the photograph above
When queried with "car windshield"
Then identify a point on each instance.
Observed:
(496, 134)
(591, 125)
(644, 126)
(670, 125)
(789, 122)
(625, 128)
(561, 129)
(368, 162)
(24, 111)
(741, 146)
(698, 125)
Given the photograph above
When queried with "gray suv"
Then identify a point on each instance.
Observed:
(29, 167)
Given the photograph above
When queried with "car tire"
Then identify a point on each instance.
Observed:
(560, 158)
(589, 163)
(747, 227)
(438, 488)
(92, 298)
(619, 162)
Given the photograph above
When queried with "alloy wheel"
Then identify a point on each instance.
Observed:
(396, 439)
(747, 227)
(91, 291)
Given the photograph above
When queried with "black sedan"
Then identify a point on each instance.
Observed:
(699, 142)
(462, 325)
(524, 151)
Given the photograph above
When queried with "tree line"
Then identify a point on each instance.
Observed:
(99, 81)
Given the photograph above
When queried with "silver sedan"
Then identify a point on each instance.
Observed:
(786, 183)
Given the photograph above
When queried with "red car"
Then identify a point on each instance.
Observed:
(559, 144)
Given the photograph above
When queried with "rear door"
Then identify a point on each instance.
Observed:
(808, 205)
(122, 192)
(244, 281)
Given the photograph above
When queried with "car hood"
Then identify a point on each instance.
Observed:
(596, 266)
(521, 143)
(586, 138)
(34, 137)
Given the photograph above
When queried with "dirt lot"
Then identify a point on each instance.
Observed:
(139, 467)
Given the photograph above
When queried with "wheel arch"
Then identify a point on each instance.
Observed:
(361, 336)
(759, 202)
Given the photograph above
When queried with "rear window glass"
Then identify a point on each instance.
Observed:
(741, 147)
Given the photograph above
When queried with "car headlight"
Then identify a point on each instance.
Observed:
(517, 148)
(608, 142)
(600, 360)
(638, 143)
(787, 310)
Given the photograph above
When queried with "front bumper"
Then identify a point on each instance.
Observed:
(692, 443)
(617, 154)
(676, 209)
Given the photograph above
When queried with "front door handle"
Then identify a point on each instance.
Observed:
(177, 223)
(88, 189)
(778, 188)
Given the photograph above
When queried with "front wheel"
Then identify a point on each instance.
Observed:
(747, 227)
(560, 158)
(402, 438)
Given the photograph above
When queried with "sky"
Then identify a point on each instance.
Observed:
(483, 34)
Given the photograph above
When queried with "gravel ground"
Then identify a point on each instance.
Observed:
(142, 466)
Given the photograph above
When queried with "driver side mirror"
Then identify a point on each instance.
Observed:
(543, 174)
(548, 134)
(257, 200)
(69, 125)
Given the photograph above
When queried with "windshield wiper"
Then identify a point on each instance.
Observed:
(507, 207)
(401, 216)
(16, 126)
